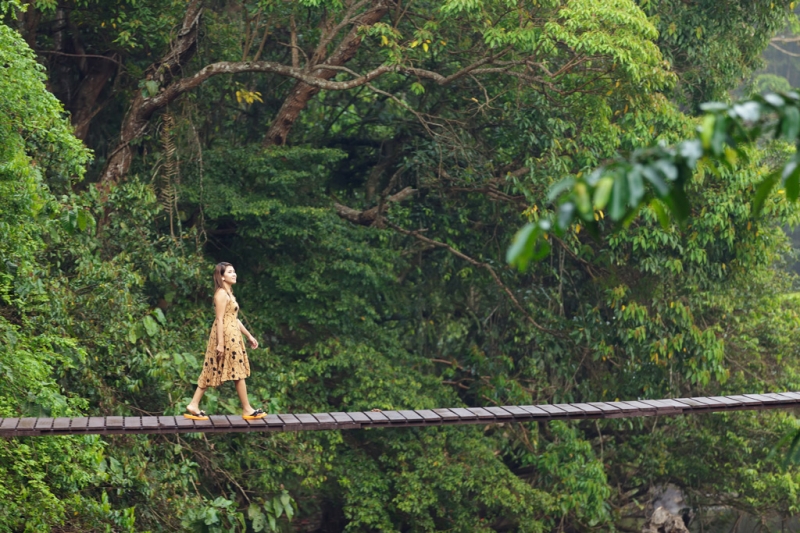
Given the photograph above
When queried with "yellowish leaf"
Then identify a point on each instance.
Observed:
(425, 46)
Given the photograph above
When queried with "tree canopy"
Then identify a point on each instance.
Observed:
(365, 165)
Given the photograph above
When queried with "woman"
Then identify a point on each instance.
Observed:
(226, 357)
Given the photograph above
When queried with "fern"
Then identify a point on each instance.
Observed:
(167, 176)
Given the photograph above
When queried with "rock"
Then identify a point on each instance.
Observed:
(663, 521)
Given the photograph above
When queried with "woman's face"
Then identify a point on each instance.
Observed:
(229, 275)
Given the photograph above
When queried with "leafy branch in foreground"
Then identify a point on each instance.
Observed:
(657, 176)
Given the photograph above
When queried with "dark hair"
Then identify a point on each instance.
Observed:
(219, 271)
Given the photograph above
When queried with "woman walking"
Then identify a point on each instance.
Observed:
(226, 357)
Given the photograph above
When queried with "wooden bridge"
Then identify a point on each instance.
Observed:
(19, 427)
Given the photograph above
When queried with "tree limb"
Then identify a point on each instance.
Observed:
(417, 235)
(370, 216)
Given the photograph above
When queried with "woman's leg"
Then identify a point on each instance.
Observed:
(194, 405)
(241, 390)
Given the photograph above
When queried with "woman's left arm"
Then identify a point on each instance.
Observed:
(253, 341)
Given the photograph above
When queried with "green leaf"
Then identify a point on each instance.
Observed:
(661, 213)
(790, 123)
(278, 506)
(619, 197)
(259, 521)
(83, 218)
(762, 192)
(602, 192)
(566, 213)
(791, 180)
(679, 204)
(159, 314)
(273, 524)
(132, 336)
(558, 188)
(150, 325)
(635, 186)
(519, 253)
(661, 186)
(151, 87)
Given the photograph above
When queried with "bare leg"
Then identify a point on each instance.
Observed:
(241, 390)
(194, 405)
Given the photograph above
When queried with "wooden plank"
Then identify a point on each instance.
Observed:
(27, 426)
(342, 418)
(778, 398)
(429, 416)
(464, 414)
(765, 400)
(664, 407)
(534, 411)
(794, 396)
(150, 423)
(625, 407)
(203, 425)
(79, 424)
(169, 424)
(237, 423)
(411, 416)
(114, 422)
(553, 411)
(220, 422)
(344, 421)
(642, 409)
(500, 413)
(744, 400)
(61, 424)
(732, 404)
(273, 422)
(132, 423)
(290, 422)
(570, 409)
(481, 413)
(324, 418)
(446, 414)
(609, 411)
(44, 423)
(96, 424)
(394, 417)
(182, 423)
(325, 421)
(517, 412)
(376, 418)
(589, 411)
(693, 403)
(359, 417)
(308, 421)
(706, 401)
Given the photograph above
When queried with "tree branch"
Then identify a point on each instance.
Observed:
(417, 235)
(370, 216)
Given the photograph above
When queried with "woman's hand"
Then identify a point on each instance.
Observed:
(253, 342)
(220, 350)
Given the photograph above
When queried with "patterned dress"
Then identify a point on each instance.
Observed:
(233, 364)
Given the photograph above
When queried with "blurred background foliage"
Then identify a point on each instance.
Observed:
(368, 223)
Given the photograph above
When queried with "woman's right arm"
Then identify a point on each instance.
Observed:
(220, 301)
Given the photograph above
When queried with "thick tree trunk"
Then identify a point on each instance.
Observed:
(84, 108)
(142, 108)
(302, 93)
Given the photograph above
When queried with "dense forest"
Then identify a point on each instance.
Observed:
(365, 164)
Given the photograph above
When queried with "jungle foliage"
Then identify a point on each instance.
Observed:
(365, 166)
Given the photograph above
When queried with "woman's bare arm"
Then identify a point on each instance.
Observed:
(253, 341)
(220, 302)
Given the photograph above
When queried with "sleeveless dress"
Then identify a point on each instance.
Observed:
(233, 364)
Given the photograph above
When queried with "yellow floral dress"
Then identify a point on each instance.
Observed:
(233, 364)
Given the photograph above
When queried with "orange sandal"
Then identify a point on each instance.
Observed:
(255, 415)
(200, 415)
